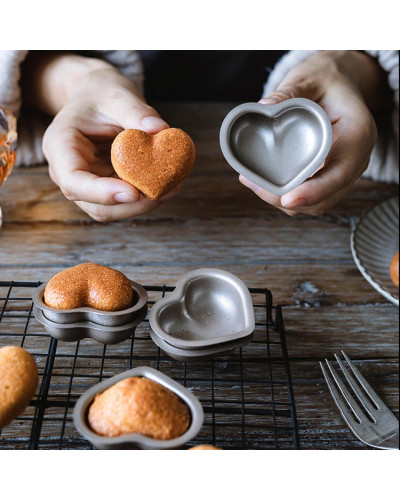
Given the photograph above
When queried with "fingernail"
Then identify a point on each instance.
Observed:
(250, 184)
(268, 100)
(151, 123)
(290, 203)
(124, 198)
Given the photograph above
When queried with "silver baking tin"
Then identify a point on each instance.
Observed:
(276, 146)
(105, 318)
(138, 441)
(193, 355)
(207, 307)
(70, 332)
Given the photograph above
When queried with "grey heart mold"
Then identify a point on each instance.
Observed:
(207, 307)
(276, 146)
(193, 355)
(104, 318)
(71, 332)
(138, 441)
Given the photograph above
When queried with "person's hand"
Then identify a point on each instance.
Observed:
(346, 84)
(95, 103)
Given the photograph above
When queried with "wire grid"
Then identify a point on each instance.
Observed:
(247, 396)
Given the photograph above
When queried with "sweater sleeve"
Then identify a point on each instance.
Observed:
(33, 124)
(384, 161)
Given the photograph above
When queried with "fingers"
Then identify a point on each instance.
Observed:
(103, 213)
(290, 89)
(279, 95)
(71, 156)
(266, 196)
(304, 203)
(347, 160)
(131, 112)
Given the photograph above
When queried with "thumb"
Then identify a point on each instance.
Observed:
(281, 94)
(297, 83)
(130, 111)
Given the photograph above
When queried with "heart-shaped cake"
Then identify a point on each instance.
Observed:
(18, 382)
(91, 285)
(154, 164)
(133, 409)
(276, 146)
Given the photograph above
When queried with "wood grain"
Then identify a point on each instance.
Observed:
(214, 222)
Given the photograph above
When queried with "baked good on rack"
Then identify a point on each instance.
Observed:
(139, 405)
(154, 164)
(19, 378)
(205, 447)
(90, 285)
(394, 269)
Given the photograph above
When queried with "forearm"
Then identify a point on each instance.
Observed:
(50, 79)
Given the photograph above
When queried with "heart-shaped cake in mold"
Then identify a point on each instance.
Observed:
(134, 440)
(89, 314)
(207, 307)
(276, 146)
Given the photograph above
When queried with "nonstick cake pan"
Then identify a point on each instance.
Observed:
(104, 318)
(138, 441)
(208, 307)
(192, 355)
(276, 146)
(70, 332)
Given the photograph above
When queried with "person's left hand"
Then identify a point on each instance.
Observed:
(337, 82)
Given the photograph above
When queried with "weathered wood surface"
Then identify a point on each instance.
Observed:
(306, 262)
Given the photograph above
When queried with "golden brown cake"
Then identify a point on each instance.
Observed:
(205, 447)
(90, 285)
(18, 382)
(139, 405)
(394, 269)
(154, 164)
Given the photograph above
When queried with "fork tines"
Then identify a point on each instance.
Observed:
(372, 422)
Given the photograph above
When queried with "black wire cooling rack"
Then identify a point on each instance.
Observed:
(247, 396)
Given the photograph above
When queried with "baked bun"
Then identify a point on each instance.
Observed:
(19, 378)
(89, 285)
(205, 447)
(139, 405)
(154, 164)
(394, 269)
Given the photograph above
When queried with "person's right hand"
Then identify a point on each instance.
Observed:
(77, 144)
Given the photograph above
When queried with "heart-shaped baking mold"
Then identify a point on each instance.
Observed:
(154, 164)
(276, 146)
(105, 318)
(207, 307)
(205, 353)
(71, 332)
(138, 441)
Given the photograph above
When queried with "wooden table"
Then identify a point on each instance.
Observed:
(215, 222)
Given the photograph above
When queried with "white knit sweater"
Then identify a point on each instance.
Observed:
(383, 166)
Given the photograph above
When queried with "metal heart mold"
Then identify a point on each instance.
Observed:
(71, 332)
(276, 146)
(104, 318)
(138, 441)
(207, 307)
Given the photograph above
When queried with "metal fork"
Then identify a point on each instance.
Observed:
(378, 428)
